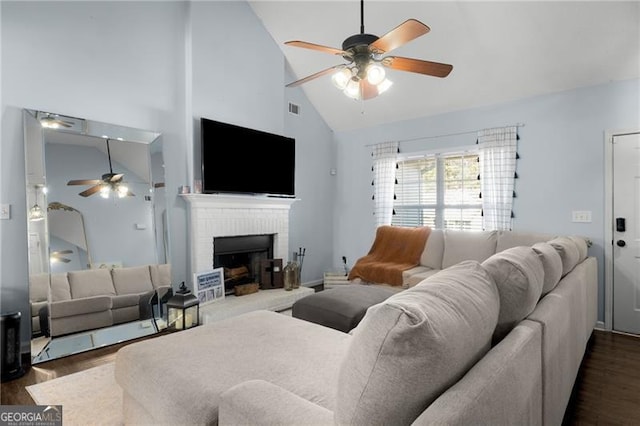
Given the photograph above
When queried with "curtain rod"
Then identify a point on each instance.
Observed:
(445, 135)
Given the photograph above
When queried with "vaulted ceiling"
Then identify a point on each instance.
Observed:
(500, 51)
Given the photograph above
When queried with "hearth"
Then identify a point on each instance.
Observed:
(241, 257)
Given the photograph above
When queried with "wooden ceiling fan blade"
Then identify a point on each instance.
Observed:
(314, 76)
(402, 34)
(116, 177)
(84, 182)
(368, 90)
(318, 47)
(57, 253)
(435, 69)
(90, 191)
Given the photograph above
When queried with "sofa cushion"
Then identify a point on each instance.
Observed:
(568, 251)
(88, 305)
(519, 275)
(416, 275)
(408, 349)
(132, 280)
(38, 287)
(581, 244)
(92, 282)
(465, 245)
(160, 275)
(60, 289)
(509, 239)
(552, 265)
(433, 250)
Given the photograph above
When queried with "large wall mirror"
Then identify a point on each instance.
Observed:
(97, 233)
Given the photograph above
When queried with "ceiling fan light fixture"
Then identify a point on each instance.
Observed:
(341, 78)
(36, 213)
(353, 89)
(375, 74)
(105, 191)
(122, 190)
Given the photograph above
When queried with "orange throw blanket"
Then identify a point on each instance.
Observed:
(395, 249)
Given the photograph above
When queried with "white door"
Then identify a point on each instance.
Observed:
(626, 233)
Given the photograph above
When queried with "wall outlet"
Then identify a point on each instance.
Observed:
(5, 211)
(581, 216)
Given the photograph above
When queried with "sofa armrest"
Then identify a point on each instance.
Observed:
(85, 305)
(36, 306)
(261, 402)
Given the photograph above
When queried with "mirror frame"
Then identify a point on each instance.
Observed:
(36, 126)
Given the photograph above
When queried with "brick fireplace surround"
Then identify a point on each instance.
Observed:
(217, 215)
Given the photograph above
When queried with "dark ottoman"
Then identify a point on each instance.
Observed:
(341, 307)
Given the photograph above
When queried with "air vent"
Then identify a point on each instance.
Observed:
(294, 109)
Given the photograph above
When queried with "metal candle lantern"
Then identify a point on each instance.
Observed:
(183, 310)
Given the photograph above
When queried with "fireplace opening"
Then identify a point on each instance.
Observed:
(240, 256)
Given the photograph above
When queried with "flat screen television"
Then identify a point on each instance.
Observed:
(237, 159)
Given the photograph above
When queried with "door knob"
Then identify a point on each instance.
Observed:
(621, 243)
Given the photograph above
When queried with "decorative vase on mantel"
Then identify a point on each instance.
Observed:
(291, 277)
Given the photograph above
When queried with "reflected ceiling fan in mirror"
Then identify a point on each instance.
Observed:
(363, 76)
(58, 256)
(110, 183)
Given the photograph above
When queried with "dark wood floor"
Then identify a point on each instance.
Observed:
(607, 389)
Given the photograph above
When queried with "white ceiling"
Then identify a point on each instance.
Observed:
(500, 51)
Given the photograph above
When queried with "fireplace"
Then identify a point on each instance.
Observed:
(217, 215)
(241, 256)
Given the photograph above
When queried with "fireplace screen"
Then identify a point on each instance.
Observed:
(241, 257)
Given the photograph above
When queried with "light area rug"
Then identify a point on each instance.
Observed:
(89, 397)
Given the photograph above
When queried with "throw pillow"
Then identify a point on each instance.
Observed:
(410, 348)
(581, 245)
(519, 276)
(568, 251)
(552, 265)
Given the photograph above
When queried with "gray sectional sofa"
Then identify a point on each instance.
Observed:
(495, 336)
(93, 298)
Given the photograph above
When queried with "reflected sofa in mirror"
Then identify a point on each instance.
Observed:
(98, 276)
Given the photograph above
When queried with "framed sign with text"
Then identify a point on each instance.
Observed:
(209, 285)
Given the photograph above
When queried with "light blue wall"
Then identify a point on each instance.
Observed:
(561, 166)
(157, 66)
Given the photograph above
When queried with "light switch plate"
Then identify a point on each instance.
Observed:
(5, 211)
(581, 216)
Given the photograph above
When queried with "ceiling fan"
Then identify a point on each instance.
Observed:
(58, 256)
(109, 183)
(363, 76)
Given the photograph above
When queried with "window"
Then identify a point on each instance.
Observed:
(440, 191)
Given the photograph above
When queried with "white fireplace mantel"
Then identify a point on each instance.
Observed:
(218, 215)
(237, 201)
